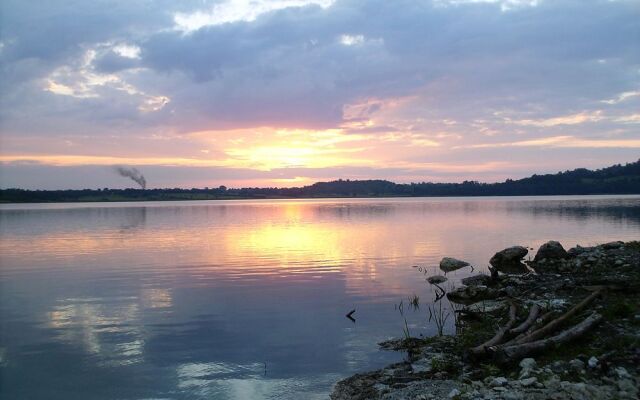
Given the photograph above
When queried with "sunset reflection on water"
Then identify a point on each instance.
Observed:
(197, 299)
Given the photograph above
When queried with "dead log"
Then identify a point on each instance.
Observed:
(556, 323)
(505, 354)
(533, 314)
(482, 349)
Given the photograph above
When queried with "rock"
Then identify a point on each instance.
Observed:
(626, 385)
(551, 250)
(612, 245)
(509, 260)
(527, 366)
(593, 362)
(576, 365)
(528, 363)
(476, 280)
(499, 381)
(448, 264)
(528, 381)
(487, 306)
(622, 373)
(421, 366)
(576, 251)
(435, 279)
(472, 294)
(453, 393)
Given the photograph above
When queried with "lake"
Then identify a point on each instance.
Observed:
(246, 299)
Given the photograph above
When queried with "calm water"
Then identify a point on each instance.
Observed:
(244, 299)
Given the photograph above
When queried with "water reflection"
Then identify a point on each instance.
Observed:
(235, 300)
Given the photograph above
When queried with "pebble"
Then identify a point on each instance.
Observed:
(454, 393)
(593, 362)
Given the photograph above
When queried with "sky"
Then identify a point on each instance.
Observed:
(246, 93)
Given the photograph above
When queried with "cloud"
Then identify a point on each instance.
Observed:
(411, 81)
(563, 141)
(622, 97)
(229, 11)
(573, 119)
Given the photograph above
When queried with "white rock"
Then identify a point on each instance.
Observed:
(454, 393)
(593, 362)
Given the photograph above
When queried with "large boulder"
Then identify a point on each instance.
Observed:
(551, 250)
(509, 260)
(449, 264)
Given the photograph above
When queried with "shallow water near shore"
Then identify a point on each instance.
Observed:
(246, 299)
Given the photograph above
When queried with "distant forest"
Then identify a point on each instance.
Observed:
(617, 179)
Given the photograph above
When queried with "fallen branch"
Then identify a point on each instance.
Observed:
(505, 354)
(482, 349)
(538, 321)
(556, 323)
(533, 314)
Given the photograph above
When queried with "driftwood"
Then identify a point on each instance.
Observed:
(518, 351)
(499, 336)
(556, 323)
(531, 319)
(542, 320)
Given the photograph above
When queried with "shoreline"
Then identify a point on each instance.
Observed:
(561, 325)
(329, 198)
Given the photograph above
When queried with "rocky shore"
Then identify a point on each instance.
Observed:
(564, 324)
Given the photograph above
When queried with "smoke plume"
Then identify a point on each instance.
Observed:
(133, 174)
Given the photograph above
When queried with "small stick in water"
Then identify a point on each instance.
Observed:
(349, 315)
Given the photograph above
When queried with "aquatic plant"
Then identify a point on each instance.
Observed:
(439, 316)
(405, 330)
(414, 301)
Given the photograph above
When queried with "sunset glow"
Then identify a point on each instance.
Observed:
(292, 92)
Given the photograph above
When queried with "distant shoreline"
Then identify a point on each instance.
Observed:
(142, 200)
(235, 199)
(617, 179)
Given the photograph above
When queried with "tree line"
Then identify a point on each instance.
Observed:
(617, 179)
